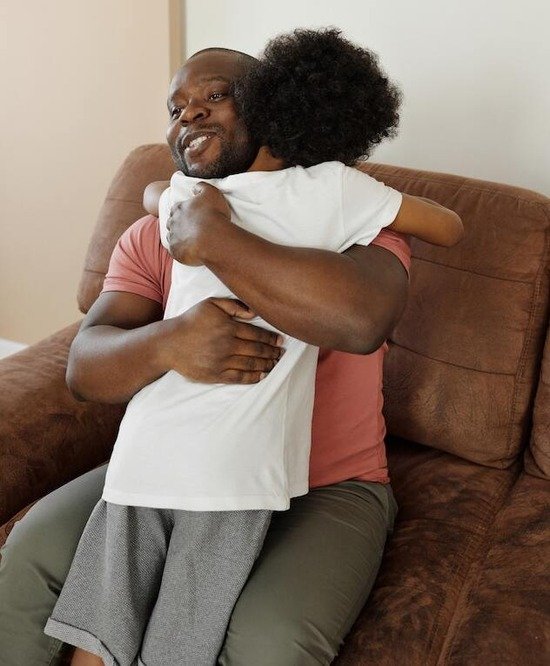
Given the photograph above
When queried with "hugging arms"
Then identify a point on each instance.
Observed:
(347, 301)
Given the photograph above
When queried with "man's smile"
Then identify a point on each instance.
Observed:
(195, 143)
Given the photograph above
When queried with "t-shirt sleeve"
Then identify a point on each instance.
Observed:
(397, 244)
(139, 263)
(367, 206)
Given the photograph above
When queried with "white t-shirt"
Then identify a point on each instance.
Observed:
(204, 447)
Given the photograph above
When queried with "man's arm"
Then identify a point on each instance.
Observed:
(123, 345)
(345, 301)
(348, 301)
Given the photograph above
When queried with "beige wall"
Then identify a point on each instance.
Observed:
(83, 82)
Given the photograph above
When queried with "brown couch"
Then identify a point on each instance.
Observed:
(465, 577)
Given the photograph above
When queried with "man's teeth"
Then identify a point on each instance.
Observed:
(197, 142)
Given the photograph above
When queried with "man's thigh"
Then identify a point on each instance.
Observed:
(314, 574)
(35, 562)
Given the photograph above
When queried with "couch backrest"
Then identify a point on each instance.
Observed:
(465, 358)
(122, 207)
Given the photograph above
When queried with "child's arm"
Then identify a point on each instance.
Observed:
(151, 196)
(428, 221)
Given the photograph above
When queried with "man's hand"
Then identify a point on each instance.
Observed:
(206, 344)
(124, 344)
(191, 221)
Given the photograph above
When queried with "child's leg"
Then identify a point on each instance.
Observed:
(83, 658)
(208, 561)
(113, 582)
(35, 560)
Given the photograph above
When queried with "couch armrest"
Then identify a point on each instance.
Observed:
(46, 436)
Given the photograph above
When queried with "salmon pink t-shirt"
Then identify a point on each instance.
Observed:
(348, 427)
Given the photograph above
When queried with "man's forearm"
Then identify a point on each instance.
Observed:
(346, 301)
(108, 364)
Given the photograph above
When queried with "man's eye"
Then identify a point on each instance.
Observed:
(175, 112)
(217, 95)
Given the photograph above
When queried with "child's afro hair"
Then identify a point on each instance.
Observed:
(315, 97)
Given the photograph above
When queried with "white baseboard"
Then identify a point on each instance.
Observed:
(8, 347)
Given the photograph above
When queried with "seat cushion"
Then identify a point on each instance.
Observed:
(503, 612)
(447, 508)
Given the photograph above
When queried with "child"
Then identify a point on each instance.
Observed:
(219, 459)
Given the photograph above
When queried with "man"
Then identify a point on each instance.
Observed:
(320, 558)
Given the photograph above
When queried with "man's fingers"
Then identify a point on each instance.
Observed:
(257, 334)
(233, 307)
(241, 377)
(257, 349)
(251, 363)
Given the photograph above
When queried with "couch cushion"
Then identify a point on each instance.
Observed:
(465, 357)
(447, 508)
(503, 613)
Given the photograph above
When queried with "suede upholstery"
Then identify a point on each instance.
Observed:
(464, 580)
(46, 436)
(466, 356)
(537, 456)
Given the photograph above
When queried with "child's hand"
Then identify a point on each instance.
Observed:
(151, 196)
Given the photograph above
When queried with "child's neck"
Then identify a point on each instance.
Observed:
(266, 162)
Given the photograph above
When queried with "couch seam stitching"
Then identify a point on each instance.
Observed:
(466, 270)
(455, 365)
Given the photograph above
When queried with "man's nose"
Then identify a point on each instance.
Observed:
(194, 110)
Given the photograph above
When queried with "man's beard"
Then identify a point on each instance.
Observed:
(233, 158)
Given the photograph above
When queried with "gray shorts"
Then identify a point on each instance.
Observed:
(156, 587)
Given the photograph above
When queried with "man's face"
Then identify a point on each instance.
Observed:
(205, 134)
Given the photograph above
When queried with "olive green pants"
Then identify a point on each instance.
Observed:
(314, 574)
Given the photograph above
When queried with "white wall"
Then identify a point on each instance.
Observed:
(474, 74)
(83, 82)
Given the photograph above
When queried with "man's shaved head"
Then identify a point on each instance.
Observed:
(246, 59)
